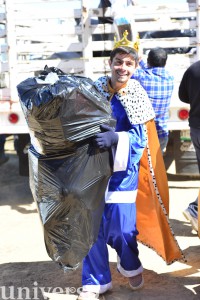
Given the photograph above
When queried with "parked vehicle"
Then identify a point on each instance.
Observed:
(74, 40)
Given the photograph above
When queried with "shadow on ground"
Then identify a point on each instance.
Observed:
(35, 276)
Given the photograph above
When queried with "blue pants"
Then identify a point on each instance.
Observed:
(118, 229)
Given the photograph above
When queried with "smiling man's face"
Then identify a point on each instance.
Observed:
(122, 68)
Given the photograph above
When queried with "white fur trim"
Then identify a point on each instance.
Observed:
(133, 98)
(128, 273)
(120, 197)
(122, 152)
(100, 289)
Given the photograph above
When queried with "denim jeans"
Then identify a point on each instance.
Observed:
(193, 208)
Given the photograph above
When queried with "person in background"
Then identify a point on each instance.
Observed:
(113, 11)
(189, 92)
(105, 19)
(109, 3)
(159, 85)
(3, 157)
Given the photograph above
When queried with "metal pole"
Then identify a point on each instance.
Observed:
(12, 52)
(86, 40)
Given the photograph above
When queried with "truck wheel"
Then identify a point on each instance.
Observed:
(184, 155)
(22, 142)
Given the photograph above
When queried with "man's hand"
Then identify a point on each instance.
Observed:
(107, 138)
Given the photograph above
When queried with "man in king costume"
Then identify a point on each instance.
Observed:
(137, 198)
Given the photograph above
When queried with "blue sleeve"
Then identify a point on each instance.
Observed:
(143, 65)
(140, 72)
(138, 142)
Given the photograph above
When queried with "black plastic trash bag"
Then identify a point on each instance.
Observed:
(68, 173)
(61, 114)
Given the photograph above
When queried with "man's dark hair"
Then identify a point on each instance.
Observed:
(157, 57)
(125, 50)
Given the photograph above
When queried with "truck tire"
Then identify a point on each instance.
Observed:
(184, 155)
(22, 142)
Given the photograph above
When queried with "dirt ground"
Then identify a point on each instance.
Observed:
(28, 273)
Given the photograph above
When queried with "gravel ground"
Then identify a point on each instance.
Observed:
(28, 273)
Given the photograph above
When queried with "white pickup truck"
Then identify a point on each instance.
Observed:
(72, 39)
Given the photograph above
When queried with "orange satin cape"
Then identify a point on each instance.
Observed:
(153, 202)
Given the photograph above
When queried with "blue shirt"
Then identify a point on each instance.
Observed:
(159, 85)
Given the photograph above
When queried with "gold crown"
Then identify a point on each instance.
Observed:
(125, 42)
